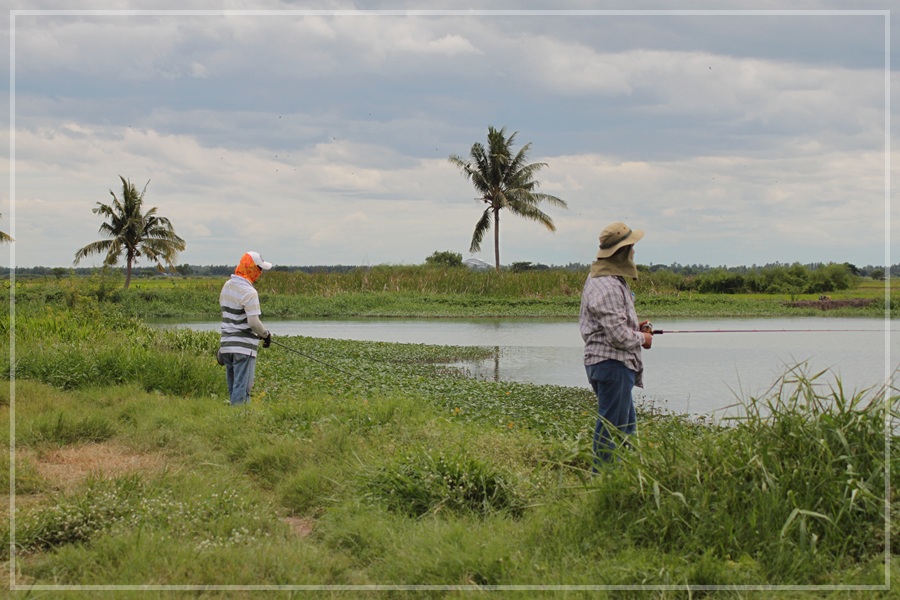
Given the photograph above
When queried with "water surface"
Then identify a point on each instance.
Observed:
(696, 373)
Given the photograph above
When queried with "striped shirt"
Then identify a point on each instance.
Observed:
(609, 324)
(238, 300)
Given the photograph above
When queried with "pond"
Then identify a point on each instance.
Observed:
(694, 373)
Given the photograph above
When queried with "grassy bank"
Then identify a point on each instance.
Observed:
(430, 292)
(131, 469)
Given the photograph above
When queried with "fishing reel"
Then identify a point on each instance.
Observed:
(648, 328)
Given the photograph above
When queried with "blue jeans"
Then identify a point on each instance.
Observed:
(239, 372)
(612, 382)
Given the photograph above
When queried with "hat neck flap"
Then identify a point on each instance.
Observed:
(621, 264)
(248, 269)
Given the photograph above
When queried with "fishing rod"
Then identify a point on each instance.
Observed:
(313, 358)
(648, 328)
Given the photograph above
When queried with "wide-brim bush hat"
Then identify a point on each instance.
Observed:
(616, 235)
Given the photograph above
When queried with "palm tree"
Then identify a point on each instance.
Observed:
(504, 181)
(135, 233)
(5, 237)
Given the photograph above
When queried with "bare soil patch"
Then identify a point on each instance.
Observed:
(300, 527)
(65, 468)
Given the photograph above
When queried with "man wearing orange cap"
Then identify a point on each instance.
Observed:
(241, 328)
(612, 336)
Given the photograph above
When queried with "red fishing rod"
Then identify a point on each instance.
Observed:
(648, 327)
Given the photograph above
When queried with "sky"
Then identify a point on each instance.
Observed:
(318, 133)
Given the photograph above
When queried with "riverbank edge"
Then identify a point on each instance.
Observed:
(449, 306)
(435, 295)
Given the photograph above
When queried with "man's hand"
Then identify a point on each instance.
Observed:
(267, 341)
(646, 329)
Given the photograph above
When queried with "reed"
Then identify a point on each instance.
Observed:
(798, 477)
(89, 346)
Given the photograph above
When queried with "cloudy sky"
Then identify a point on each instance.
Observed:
(322, 136)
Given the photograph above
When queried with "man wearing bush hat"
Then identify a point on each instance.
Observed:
(241, 328)
(612, 336)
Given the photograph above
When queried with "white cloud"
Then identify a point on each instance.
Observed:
(326, 138)
(199, 70)
(329, 191)
(766, 92)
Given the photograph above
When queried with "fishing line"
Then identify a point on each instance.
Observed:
(663, 331)
(313, 358)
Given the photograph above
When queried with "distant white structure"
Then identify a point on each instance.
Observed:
(477, 264)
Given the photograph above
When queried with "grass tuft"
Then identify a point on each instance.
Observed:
(433, 481)
(63, 429)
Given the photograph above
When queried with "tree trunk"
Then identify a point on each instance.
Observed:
(497, 239)
(128, 272)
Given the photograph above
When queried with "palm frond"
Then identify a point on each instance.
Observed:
(481, 227)
(532, 213)
(98, 247)
(5, 237)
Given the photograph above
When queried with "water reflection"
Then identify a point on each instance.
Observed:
(496, 363)
(693, 373)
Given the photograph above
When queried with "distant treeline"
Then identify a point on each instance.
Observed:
(688, 271)
(180, 270)
(772, 279)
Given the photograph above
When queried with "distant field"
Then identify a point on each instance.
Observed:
(434, 292)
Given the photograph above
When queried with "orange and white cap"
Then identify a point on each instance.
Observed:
(259, 262)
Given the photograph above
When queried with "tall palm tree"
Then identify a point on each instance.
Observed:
(5, 237)
(506, 181)
(133, 233)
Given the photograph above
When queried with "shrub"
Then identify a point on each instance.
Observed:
(446, 258)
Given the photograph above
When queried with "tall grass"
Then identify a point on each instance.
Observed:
(428, 280)
(387, 291)
(798, 478)
(87, 345)
(427, 482)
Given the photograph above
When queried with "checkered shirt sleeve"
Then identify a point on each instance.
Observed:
(609, 324)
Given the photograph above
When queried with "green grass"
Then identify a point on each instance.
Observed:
(411, 474)
(385, 291)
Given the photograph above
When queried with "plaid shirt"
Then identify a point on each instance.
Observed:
(609, 324)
